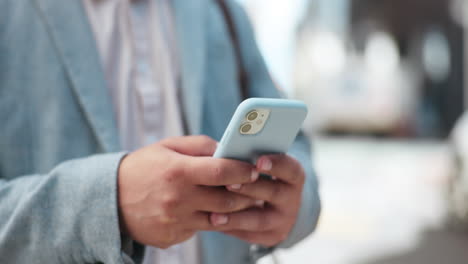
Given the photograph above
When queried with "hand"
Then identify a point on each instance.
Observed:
(165, 190)
(271, 223)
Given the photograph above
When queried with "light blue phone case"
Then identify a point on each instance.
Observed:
(284, 122)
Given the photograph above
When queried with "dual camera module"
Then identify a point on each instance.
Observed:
(254, 121)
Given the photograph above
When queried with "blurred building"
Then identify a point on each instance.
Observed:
(389, 67)
(429, 36)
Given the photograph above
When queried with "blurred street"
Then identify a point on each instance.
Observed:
(391, 68)
(383, 203)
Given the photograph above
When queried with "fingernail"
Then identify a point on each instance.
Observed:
(265, 164)
(235, 186)
(254, 175)
(219, 219)
(260, 203)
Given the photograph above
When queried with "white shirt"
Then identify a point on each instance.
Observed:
(137, 46)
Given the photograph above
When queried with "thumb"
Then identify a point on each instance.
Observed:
(191, 145)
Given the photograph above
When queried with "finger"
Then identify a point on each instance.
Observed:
(191, 145)
(219, 172)
(219, 200)
(282, 167)
(266, 239)
(253, 219)
(273, 192)
(200, 221)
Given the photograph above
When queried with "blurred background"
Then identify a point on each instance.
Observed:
(386, 84)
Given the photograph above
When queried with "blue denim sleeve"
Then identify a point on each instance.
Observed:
(69, 215)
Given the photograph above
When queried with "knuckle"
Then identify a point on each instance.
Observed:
(275, 192)
(243, 203)
(170, 176)
(229, 203)
(169, 203)
(173, 173)
(218, 173)
(263, 222)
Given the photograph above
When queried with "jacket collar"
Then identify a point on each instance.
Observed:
(75, 43)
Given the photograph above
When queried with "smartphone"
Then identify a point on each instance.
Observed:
(261, 126)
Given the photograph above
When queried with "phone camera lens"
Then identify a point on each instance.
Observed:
(245, 128)
(252, 116)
